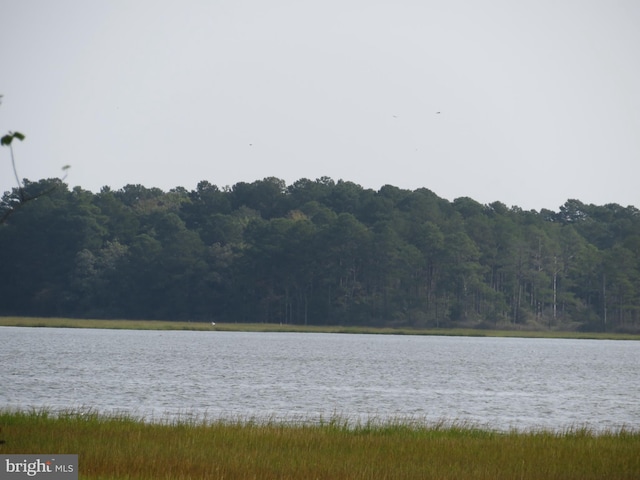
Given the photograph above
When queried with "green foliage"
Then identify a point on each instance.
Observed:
(20, 195)
(8, 138)
(318, 253)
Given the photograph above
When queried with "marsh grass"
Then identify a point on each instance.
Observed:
(274, 327)
(105, 324)
(123, 447)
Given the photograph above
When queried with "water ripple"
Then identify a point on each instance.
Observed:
(502, 383)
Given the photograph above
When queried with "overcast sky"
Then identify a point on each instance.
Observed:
(538, 100)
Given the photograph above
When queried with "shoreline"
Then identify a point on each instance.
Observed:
(187, 419)
(273, 327)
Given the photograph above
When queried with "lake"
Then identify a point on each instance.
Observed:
(498, 383)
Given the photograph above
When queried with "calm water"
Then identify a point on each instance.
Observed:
(496, 382)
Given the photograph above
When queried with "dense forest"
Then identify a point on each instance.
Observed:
(316, 252)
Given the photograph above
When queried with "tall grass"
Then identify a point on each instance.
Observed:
(122, 447)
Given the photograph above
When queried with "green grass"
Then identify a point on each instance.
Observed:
(274, 327)
(126, 448)
(108, 324)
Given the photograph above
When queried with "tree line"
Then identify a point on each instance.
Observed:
(317, 252)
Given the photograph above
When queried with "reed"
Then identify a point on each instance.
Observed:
(123, 447)
(275, 327)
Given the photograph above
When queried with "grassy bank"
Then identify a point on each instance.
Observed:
(124, 448)
(107, 324)
(274, 327)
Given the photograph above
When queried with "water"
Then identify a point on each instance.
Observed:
(499, 383)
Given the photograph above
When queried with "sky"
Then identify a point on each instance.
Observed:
(528, 102)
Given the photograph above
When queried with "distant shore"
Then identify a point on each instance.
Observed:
(274, 327)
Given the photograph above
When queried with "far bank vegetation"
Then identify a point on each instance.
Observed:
(318, 252)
